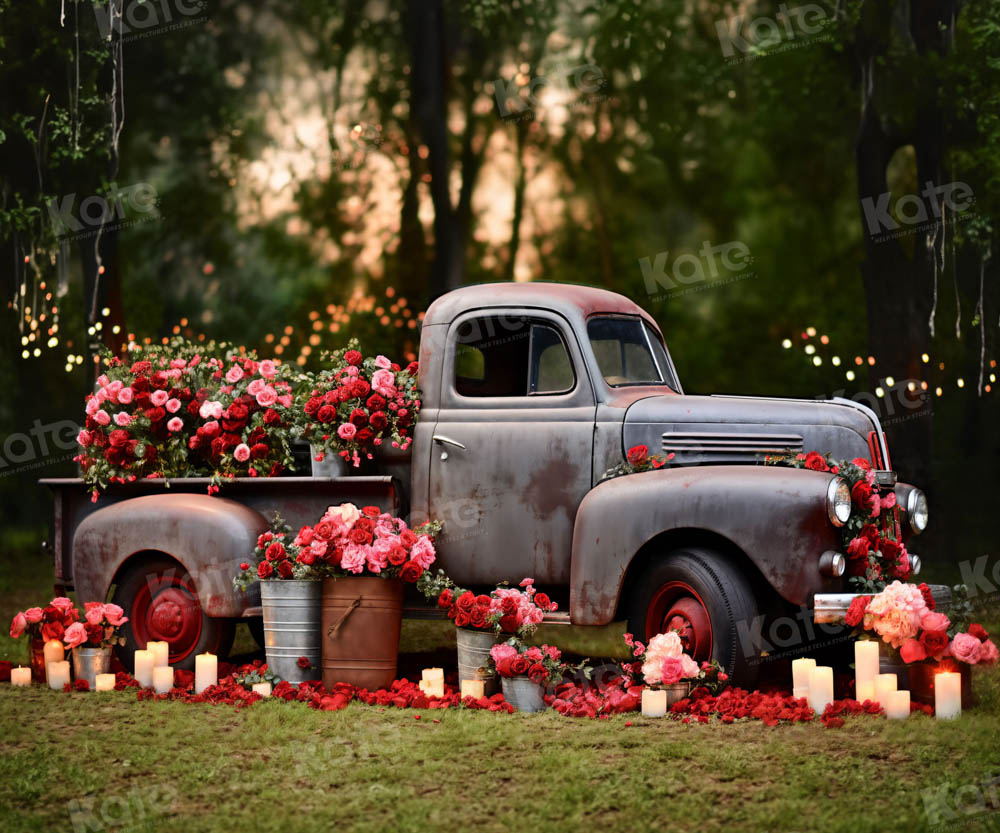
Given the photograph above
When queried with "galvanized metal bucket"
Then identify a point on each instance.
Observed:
(362, 617)
(676, 692)
(89, 662)
(474, 656)
(332, 464)
(291, 611)
(523, 694)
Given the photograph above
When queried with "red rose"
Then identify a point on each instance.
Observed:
(274, 551)
(378, 421)
(264, 569)
(307, 557)
(353, 357)
(444, 600)
(140, 367)
(637, 455)
(862, 463)
(925, 591)
(912, 650)
(934, 642)
(411, 571)
(324, 530)
(477, 618)
(375, 403)
(326, 414)
(461, 619)
(407, 538)
(365, 436)
(303, 663)
(508, 605)
(359, 536)
(816, 461)
(519, 666)
(365, 523)
(359, 388)
(978, 631)
(482, 601)
(244, 565)
(358, 418)
(412, 368)
(543, 601)
(538, 673)
(95, 633)
(81, 685)
(397, 555)
(311, 407)
(861, 495)
(508, 623)
(503, 667)
(371, 512)
(466, 602)
(285, 568)
(856, 611)
(118, 438)
(334, 555)
(259, 451)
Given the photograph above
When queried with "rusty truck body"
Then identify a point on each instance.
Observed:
(530, 393)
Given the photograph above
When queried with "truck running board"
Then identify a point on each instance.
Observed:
(829, 608)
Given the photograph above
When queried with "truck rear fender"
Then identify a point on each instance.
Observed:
(207, 536)
(773, 519)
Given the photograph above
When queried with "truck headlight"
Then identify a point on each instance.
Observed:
(838, 501)
(916, 510)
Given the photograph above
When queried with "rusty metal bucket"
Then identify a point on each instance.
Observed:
(474, 657)
(361, 623)
(291, 610)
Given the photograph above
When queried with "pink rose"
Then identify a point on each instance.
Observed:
(101, 417)
(210, 410)
(173, 405)
(966, 648)
(423, 552)
(267, 397)
(347, 431)
(242, 452)
(934, 621)
(912, 651)
(92, 405)
(85, 438)
(988, 652)
(383, 382)
(115, 615)
(175, 424)
(267, 369)
(159, 397)
(233, 375)
(62, 604)
(95, 613)
(122, 419)
(256, 386)
(33, 615)
(125, 396)
(17, 625)
(672, 669)
(76, 634)
(211, 428)
(382, 362)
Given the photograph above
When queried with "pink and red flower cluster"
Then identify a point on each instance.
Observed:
(542, 665)
(504, 610)
(46, 623)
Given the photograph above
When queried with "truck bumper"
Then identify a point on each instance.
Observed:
(829, 608)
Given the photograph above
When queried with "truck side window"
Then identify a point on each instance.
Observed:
(511, 356)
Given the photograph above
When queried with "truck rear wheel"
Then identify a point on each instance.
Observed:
(699, 593)
(161, 601)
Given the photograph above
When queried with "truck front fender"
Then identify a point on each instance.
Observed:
(777, 516)
(208, 536)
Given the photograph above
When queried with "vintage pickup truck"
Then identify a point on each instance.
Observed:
(530, 393)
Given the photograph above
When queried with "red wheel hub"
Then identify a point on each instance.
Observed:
(676, 606)
(166, 609)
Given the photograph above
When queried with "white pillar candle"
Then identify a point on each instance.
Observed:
(432, 688)
(163, 679)
(105, 682)
(53, 651)
(885, 684)
(866, 691)
(144, 668)
(865, 661)
(470, 688)
(654, 703)
(899, 705)
(58, 674)
(948, 694)
(820, 688)
(800, 672)
(263, 689)
(160, 651)
(20, 676)
(206, 672)
(432, 674)
(801, 692)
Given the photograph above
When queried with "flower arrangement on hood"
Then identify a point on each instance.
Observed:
(638, 459)
(359, 404)
(904, 617)
(45, 623)
(504, 610)
(98, 629)
(184, 410)
(871, 537)
(542, 665)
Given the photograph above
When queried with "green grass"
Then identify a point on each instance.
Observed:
(107, 762)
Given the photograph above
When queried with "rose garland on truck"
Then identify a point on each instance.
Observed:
(359, 404)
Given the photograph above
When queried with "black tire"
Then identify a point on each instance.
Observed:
(723, 592)
(139, 592)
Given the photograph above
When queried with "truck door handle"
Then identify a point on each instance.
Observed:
(441, 438)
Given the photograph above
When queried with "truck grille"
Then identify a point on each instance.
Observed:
(701, 447)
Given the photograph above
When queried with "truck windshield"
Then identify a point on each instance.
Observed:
(628, 352)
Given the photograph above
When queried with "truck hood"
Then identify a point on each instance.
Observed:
(702, 430)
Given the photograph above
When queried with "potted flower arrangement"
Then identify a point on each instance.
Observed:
(365, 557)
(181, 412)
(525, 672)
(290, 601)
(664, 665)
(483, 620)
(358, 406)
(43, 625)
(918, 641)
(92, 639)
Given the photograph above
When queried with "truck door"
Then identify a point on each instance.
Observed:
(512, 448)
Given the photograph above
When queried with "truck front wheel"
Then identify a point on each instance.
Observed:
(160, 599)
(700, 594)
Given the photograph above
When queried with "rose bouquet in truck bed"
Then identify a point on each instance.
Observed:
(358, 405)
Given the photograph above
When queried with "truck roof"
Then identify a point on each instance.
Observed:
(571, 300)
